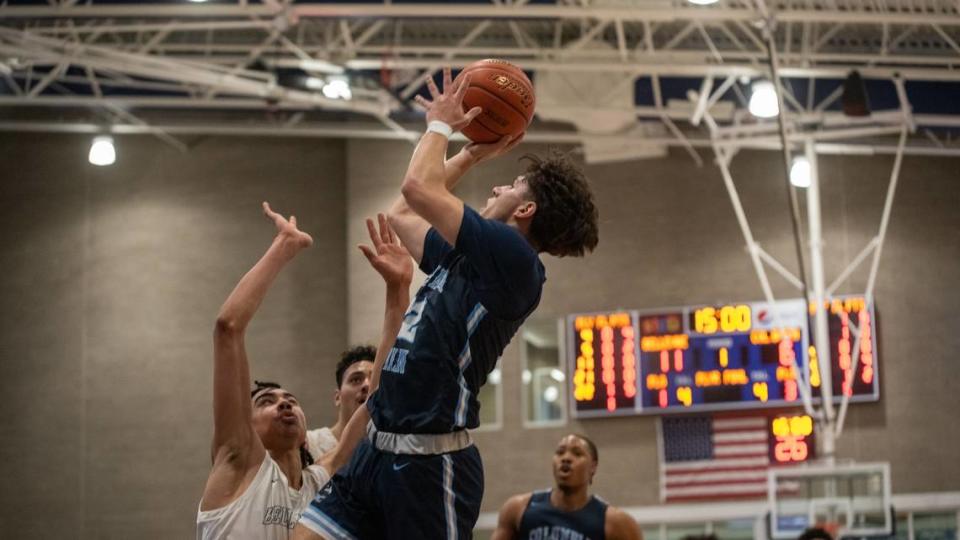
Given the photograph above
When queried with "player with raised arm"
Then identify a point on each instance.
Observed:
(418, 474)
(260, 481)
(568, 510)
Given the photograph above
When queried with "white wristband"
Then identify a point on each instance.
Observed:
(442, 128)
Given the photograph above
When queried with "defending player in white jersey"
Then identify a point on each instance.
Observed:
(261, 481)
(352, 377)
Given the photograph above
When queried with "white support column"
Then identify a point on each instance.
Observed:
(49, 78)
(821, 338)
(703, 99)
(905, 104)
(775, 264)
(671, 126)
(621, 40)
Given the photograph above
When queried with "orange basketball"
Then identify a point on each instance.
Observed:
(504, 93)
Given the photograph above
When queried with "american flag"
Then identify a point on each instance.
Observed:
(709, 458)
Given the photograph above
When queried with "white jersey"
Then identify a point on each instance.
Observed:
(269, 509)
(320, 441)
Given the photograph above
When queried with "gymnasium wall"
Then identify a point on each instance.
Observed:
(112, 279)
(669, 237)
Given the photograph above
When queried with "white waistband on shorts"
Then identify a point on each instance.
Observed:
(418, 443)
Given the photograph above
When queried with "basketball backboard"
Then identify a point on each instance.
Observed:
(853, 497)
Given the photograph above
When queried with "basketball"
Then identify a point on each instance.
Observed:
(506, 96)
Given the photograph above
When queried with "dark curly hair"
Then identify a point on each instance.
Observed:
(565, 222)
(352, 356)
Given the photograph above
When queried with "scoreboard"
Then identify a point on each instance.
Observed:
(709, 357)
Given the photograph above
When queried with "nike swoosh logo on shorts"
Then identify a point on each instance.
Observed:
(398, 467)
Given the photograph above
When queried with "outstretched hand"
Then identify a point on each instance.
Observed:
(479, 152)
(447, 105)
(390, 259)
(287, 229)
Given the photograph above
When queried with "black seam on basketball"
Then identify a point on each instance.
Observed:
(524, 81)
(505, 102)
(486, 125)
(480, 125)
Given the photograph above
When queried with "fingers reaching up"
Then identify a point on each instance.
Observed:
(386, 255)
(287, 228)
(446, 104)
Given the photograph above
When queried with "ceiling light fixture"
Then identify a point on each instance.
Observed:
(102, 152)
(337, 88)
(800, 172)
(763, 100)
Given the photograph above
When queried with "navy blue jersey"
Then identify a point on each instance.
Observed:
(476, 297)
(542, 521)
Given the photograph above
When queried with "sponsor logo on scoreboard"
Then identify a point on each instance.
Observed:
(784, 314)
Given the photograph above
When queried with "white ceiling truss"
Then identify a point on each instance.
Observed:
(179, 68)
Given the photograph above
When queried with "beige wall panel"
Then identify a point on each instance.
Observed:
(113, 280)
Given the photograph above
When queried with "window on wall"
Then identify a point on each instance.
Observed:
(935, 525)
(491, 399)
(544, 381)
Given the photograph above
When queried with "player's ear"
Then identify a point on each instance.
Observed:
(336, 397)
(525, 210)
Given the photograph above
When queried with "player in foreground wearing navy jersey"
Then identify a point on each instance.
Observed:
(568, 510)
(418, 474)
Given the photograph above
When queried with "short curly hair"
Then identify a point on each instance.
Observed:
(565, 222)
(352, 356)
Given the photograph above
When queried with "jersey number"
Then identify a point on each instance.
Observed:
(408, 331)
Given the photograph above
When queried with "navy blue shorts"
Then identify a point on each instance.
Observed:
(384, 495)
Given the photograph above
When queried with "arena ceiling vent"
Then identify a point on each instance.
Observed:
(624, 77)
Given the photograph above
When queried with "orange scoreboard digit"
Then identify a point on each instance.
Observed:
(605, 362)
(715, 357)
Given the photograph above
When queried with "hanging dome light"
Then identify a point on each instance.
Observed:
(800, 172)
(102, 151)
(763, 100)
(703, 2)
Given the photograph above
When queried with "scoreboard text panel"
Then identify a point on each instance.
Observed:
(713, 357)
